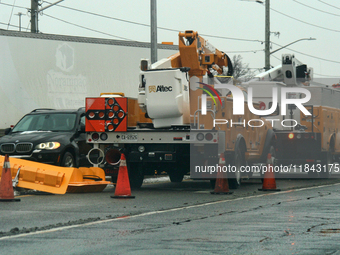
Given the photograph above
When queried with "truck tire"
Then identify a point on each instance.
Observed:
(234, 178)
(272, 152)
(312, 174)
(136, 175)
(327, 162)
(176, 176)
(213, 183)
(114, 179)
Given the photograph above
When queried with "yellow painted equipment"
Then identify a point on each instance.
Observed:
(54, 179)
(38, 176)
(86, 179)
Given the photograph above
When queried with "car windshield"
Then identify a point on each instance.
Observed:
(46, 122)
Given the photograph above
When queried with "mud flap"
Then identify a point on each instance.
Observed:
(38, 176)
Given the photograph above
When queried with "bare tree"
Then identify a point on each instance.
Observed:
(241, 71)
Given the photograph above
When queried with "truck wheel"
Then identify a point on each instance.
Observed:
(176, 176)
(234, 179)
(327, 162)
(312, 174)
(272, 152)
(136, 175)
(68, 160)
(213, 183)
(114, 179)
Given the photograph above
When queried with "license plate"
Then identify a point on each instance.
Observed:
(129, 137)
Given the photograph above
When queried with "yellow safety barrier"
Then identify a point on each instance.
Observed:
(55, 179)
(38, 176)
(86, 179)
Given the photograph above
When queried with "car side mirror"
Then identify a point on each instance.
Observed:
(7, 130)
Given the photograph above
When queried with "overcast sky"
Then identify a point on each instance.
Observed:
(232, 26)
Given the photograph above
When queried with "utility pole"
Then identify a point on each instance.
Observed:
(267, 37)
(34, 16)
(153, 31)
(19, 14)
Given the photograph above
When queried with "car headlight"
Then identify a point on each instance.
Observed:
(48, 146)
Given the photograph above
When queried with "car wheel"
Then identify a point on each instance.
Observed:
(68, 160)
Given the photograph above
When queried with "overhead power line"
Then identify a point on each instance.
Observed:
(131, 22)
(6, 24)
(319, 58)
(12, 5)
(325, 75)
(325, 28)
(229, 38)
(175, 30)
(93, 30)
(316, 9)
(147, 25)
(329, 4)
(100, 15)
(243, 51)
(10, 17)
(276, 58)
(16, 6)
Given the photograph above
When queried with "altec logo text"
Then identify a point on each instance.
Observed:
(159, 88)
(238, 101)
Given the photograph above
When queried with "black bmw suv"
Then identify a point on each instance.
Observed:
(49, 136)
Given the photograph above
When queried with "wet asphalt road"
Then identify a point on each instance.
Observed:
(169, 218)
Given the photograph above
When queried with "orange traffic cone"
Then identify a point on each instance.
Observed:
(6, 186)
(123, 189)
(269, 183)
(221, 185)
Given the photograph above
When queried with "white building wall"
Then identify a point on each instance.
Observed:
(47, 73)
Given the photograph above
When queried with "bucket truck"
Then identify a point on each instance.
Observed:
(179, 123)
(306, 142)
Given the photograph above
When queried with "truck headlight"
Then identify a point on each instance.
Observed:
(48, 146)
